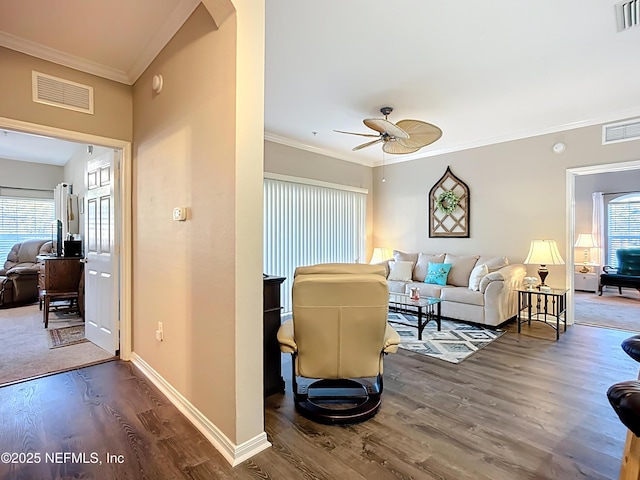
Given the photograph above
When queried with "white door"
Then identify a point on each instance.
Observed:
(102, 325)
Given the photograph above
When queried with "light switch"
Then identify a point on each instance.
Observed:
(180, 214)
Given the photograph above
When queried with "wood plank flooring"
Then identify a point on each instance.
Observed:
(524, 407)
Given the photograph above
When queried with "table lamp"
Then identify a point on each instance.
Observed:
(585, 240)
(380, 254)
(543, 253)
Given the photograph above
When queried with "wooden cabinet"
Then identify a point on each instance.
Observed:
(59, 274)
(586, 277)
(273, 381)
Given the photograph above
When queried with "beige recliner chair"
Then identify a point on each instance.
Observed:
(337, 338)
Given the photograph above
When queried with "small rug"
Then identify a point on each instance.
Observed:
(456, 341)
(62, 337)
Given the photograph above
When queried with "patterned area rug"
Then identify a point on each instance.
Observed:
(61, 337)
(454, 343)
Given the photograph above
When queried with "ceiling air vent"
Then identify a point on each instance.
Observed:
(62, 93)
(628, 14)
(621, 131)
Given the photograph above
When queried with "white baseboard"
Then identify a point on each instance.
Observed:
(234, 454)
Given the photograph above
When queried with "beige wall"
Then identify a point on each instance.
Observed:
(189, 151)
(29, 175)
(112, 108)
(518, 193)
(291, 161)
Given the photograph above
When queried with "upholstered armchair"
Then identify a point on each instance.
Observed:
(19, 275)
(628, 273)
(338, 336)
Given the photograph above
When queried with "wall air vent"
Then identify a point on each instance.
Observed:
(628, 14)
(621, 131)
(62, 93)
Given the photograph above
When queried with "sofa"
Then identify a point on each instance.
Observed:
(19, 275)
(476, 288)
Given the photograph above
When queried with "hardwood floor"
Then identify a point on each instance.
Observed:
(524, 407)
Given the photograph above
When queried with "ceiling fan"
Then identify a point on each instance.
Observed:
(405, 136)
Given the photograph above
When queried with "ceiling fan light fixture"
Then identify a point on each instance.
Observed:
(405, 136)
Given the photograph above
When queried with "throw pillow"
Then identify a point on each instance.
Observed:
(438, 273)
(400, 271)
(461, 267)
(476, 275)
(422, 267)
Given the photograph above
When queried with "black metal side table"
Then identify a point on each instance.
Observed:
(539, 305)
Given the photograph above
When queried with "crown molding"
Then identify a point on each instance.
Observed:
(167, 30)
(61, 58)
(320, 151)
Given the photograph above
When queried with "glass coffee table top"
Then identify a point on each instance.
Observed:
(404, 299)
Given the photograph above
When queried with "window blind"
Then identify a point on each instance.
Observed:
(623, 225)
(307, 224)
(22, 219)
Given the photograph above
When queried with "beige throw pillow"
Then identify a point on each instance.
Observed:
(422, 267)
(477, 274)
(400, 271)
(460, 269)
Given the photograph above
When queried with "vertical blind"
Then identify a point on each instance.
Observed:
(22, 219)
(306, 224)
(623, 230)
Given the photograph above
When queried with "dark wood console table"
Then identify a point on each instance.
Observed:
(273, 381)
(59, 279)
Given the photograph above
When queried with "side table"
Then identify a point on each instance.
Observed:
(541, 305)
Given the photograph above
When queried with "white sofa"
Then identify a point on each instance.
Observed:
(491, 300)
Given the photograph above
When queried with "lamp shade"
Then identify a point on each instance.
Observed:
(544, 252)
(585, 240)
(380, 254)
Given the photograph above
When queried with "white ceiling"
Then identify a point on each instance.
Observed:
(484, 72)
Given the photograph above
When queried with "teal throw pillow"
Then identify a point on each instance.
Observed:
(438, 273)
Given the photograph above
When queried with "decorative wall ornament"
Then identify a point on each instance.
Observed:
(449, 207)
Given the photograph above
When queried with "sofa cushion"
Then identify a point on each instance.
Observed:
(462, 295)
(400, 271)
(461, 267)
(437, 273)
(487, 279)
(422, 266)
(396, 286)
(493, 263)
(427, 289)
(478, 272)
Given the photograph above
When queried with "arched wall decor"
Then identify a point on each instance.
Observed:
(449, 207)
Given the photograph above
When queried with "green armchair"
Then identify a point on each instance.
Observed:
(627, 274)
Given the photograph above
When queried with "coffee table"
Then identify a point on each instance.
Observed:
(426, 308)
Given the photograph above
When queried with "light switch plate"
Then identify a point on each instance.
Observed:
(180, 214)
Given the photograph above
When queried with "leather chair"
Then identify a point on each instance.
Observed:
(627, 274)
(19, 276)
(337, 337)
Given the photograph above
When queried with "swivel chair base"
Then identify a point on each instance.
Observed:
(338, 402)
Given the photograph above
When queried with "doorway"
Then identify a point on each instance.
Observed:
(122, 207)
(612, 309)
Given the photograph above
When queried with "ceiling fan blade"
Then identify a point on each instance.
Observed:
(420, 133)
(361, 134)
(385, 126)
(396, 148)
(368, 144)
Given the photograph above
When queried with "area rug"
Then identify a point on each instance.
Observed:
(455, 342)
(62, 337)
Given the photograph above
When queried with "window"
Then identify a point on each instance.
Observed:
(623, 226)
(23, 218)
(305, 224)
